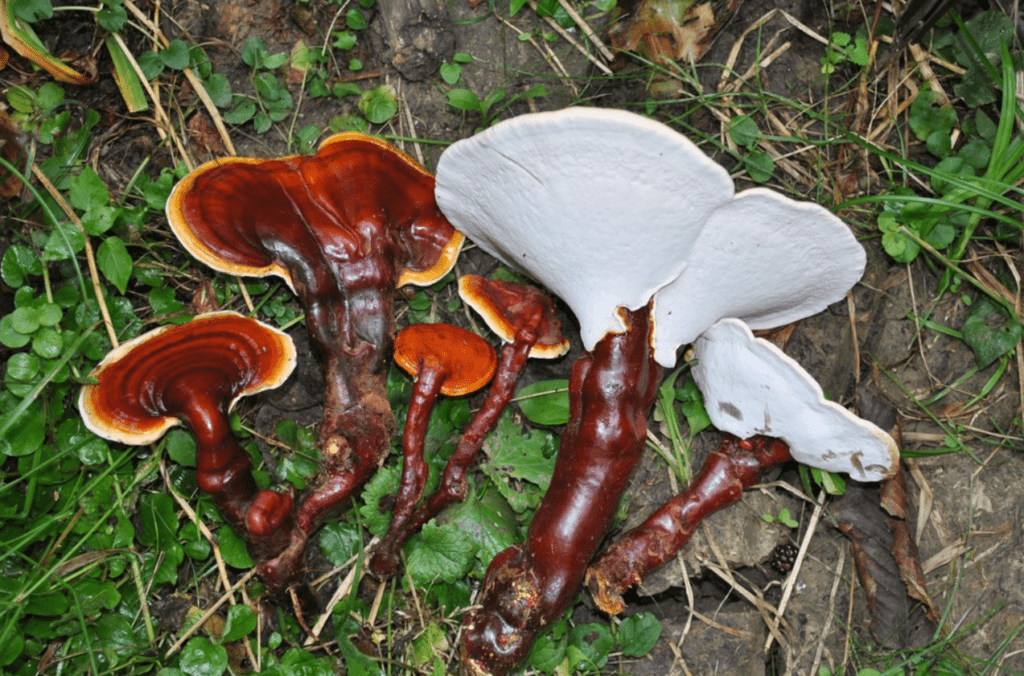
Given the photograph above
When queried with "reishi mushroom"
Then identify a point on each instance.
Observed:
(444, 359)
(526, 321)
(772, 411)
(612, 212)
(344, 228)
(193, 373)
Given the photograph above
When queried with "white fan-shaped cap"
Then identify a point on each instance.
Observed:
(751, 387)
(601, 206)
(762, 257)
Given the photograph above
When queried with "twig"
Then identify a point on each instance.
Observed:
(787, 588)
(90, 258)
(587, 30)
(572, 41)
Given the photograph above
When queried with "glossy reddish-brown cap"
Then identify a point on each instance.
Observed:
(467, 361)
(222, 354)
(234, 214)
(505, 306)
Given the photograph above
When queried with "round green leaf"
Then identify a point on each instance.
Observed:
(23, 366)
(47, 343)
(638, 634)
(241, 622)
(25, 320)
(379, 104)
(175, 55)
(9, 336)
(50, 314)
(199, 657)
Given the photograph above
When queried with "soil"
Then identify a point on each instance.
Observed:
(874, 353)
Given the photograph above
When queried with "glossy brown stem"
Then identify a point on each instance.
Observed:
(453, 484)
(224, 470)
(351, 326)
(385, 560)
(734, 466)
(611, 390)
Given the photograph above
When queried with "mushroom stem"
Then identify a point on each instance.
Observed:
(453, 485)
(352, 334)
(384, 562)
(223, 468)
(612, 390)
(730, 469)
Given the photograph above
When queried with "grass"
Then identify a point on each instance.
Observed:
(112, 561)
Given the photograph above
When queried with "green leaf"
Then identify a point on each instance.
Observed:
(638, 633)
(47, 343)
(376, 498)
(439, 552)
(199, 657)
(32, 10)
(743, 130)
(11, 337)
(355, 19)
(526, 456)
(464, 99)
(990, 332)
(18, 262)
(175, 55)
(181, 447)
(344, 40)
(64, 242)
(594, 641)
(488, 521)
(112, 18)
(545, 402)
(926, 118)
(159, 524)
(218, 87)
(760, 166)
(115, 262)
(253, 52)
(25, 320)
(339, 541)
(379, 104)
(232, 548)
(450, 72)
(24, 434)
(241, 621)
(88, 190)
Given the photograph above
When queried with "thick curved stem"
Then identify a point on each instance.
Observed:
(224, 470)
(528, 586)
(414, 468)
(734, 466)
(353, 334)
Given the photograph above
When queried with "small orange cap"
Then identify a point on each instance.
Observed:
(467, 361)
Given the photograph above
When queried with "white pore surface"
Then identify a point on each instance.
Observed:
(751, 387)
(600, 206)
(763, 258)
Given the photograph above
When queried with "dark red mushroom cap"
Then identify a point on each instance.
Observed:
(467, 361)
(506, 306)
(251, 217)
(221, 355)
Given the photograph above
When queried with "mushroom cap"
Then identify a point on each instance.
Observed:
(609, 209)
(600, 206)
(468, 361)
(224, 354)
(254, 217)
(763, 258)
(505, 306)
(751, 387)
